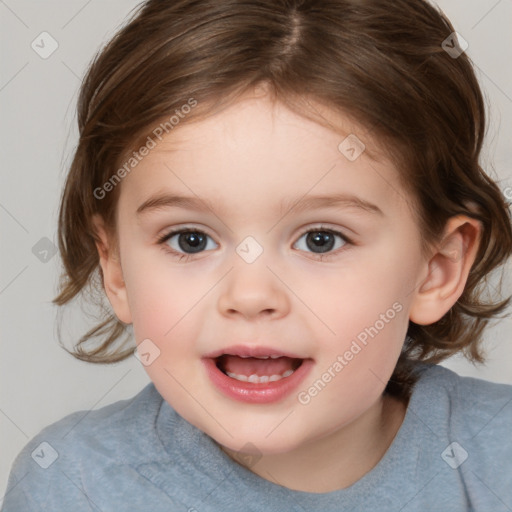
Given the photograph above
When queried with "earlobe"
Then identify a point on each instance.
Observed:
(112, 273)
(447, 271)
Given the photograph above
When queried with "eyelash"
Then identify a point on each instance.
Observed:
(187, 257)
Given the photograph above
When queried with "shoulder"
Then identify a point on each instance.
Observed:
(107, 429)
(58, 456)
(464, 404)
(471, 422)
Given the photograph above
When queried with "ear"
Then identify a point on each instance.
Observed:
(447, 271)
(110, 264)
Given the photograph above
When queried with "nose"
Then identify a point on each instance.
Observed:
(253, 291)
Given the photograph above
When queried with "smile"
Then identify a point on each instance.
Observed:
(257, 370)
(256, 375)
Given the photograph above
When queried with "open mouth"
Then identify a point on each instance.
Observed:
(257, 370)
(256, 374)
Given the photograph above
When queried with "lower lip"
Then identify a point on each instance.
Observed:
(255, 393)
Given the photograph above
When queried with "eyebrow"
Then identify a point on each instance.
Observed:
(163, 201)
(336, 200)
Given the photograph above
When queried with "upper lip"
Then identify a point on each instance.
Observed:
(251, 351)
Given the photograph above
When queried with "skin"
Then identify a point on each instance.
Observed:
(245, 160)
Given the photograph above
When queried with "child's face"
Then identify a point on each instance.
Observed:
(344, 317)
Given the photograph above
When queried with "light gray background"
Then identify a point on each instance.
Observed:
(40, 383)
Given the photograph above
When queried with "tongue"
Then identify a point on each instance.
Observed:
(253, 366)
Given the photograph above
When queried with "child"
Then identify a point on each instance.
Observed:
(284, 199)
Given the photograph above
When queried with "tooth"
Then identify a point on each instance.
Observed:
(275, 357)
(244, 357)
(257, 379)
(262, 357)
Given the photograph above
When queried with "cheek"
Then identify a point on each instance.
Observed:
(351, 299)
(355, 366)
(158, 296)
(366, 311)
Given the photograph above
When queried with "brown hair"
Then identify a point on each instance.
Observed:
(381, 63)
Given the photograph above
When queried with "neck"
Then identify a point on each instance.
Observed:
(339, 459)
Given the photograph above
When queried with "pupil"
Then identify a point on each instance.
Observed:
(321, 240)
(192, 242)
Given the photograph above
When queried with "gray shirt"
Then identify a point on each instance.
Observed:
(452, 453)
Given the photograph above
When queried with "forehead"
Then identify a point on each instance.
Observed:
(259, 149)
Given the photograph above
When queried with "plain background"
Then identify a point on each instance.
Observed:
(40, 382)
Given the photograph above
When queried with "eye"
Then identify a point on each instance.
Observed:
(321, 241)
(188, 241)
